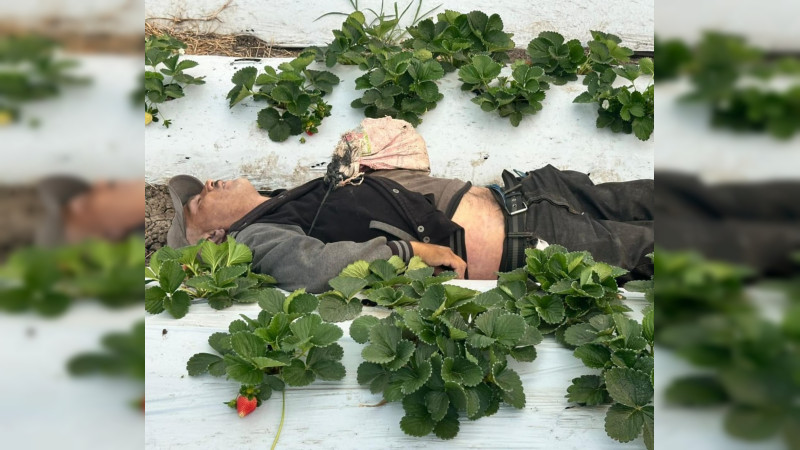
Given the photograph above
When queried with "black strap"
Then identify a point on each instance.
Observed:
(517, 237)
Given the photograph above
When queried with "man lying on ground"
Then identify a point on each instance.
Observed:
(77, 210)
(307, 235)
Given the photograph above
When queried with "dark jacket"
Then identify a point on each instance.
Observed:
(370, 221)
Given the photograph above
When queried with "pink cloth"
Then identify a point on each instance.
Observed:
(384, 143)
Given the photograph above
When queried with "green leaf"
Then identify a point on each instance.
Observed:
(428, 91)
(505, 378)
(419, 326)
(199, 362)
(226, 275)
(753, 423)
(237, 326)
(631, 330)
(359, 269)
(462, 371)
(588, 390)
(697, 390)
(221, 342)
(624, 423)
(170, 276)
(333, 309)
(550, 308)
(245, 77)
(374, 375)
(429, 70)
(515, 398)
(403, 352)
(649, 427)
(437, 403)
(593, 355)
(178, 304)
(310, 328)
(324, 362)
(272, 301)
(628, 71)
(646, 66)
(643, 127)
(383, 344)
(504, 327)
(648, 325)
(247, 344)
(481, 71)
(238, 253)
(262, 362)
(270, 120)
(300, 303)
(382, 269)
(582, 333)
(348, 286)
(433, 298)
(297, 374)
(242, 370)
(359, 329)
(412, 377)
(629, 387)
(153, 300)
(417, 420)
(448, 427)
(524, 354)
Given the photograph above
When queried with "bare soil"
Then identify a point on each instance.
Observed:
(157, 217)
(21, 211)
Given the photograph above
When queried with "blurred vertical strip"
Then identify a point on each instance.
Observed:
(70, 315)
(728, 224)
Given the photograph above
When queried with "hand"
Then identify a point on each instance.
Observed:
(437, 255)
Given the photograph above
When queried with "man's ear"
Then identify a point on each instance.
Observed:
(216, 236)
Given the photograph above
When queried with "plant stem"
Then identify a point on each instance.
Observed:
(583, 67)
(283, 415)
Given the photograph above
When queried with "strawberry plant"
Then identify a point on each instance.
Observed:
(285, 345)
(219, 273)
(373, 281)
(48, 281)
(618, 346)
(455, 37)
(122, 356)
(513, 97)
(31, 70)
(745, 360)
(445, 357)
(399, 84)
(719, 62)
(560, 60)
(352, 44)
(294, 95)
(577, 299)
(167, 83)
(623, 109)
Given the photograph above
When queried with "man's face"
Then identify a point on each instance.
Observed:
(218, 206)
(108, 210)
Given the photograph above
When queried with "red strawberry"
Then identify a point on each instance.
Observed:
(245, 405)
(309, 132)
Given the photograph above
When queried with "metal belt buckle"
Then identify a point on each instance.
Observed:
(515, 204)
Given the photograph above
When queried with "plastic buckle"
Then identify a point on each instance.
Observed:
(515, 204)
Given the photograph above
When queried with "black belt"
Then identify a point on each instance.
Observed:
(512, 201)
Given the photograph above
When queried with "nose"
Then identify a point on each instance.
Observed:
(209, 185)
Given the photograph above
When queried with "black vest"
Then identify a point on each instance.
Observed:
(376, 207)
